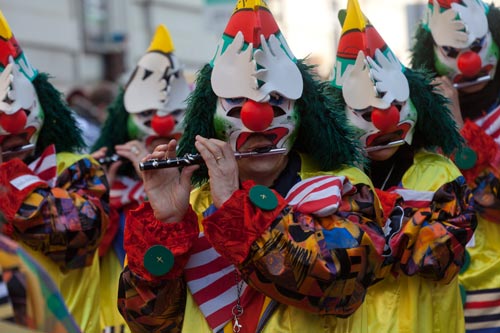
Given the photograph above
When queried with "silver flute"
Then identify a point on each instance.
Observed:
(17, 150)
(471, 83)
(388, 145)
(191, 159)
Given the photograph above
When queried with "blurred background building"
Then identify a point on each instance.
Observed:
(80, 42)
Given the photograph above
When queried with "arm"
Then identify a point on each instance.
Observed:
(147, 301)
(322, 265)
(66, 221)
(429, 240)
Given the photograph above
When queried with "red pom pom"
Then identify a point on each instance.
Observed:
(13, 123)
(163, 125)
(385, 120)
(257, 116)
(469, 63)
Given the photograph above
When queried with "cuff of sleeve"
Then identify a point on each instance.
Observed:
(18, 181)
(144, 234)
(242, 219)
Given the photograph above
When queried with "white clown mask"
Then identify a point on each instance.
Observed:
(21, 116)
(464, 48)
(257, 90)
(156, 93)
(376, 93)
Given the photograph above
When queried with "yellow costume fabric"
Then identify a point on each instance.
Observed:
(412, 304)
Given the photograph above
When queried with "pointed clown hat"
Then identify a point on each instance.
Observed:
(162, 41)
(9, 47)
(357, 35)
(253, 58)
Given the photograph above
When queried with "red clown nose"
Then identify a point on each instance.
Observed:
(385, 120)
(163, 126)
(469, 63)
(13, 123)
(256, 116)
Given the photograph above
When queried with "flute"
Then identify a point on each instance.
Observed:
(471, 83)
(17, 150)
(390, 144)
(191, 159)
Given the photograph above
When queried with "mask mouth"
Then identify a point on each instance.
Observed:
(459, 83)
(269, 138)
(14, 142)
(384, 139)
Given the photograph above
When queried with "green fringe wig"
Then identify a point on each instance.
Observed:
(115, 131)
(59, 126)
(422, 52)
(435, 127)
(323, 131)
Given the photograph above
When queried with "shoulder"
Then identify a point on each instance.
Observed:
(430, 171)
(67, 159)
(355, 175)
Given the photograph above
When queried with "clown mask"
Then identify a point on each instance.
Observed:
(257, 90)
(464, 48)
(376, 93)
(156, 93)
(21, 116)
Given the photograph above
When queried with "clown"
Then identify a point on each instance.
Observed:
(264, 239)
(398, 116)
(55, 201)
(151, 106)
(148, 111)
(155, 96)
(459, 42)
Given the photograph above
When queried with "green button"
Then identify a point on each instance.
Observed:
(263, 197)
(158, 260)
(466, 264)
(465, 158)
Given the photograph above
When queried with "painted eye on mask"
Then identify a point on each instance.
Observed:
(235, 101)
(276, 100)
(145, 114)
(177, 112)
(478, 44)
(450, 52)
(365, 113)
(279, 104)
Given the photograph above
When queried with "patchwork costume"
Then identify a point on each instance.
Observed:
(37, 306)
(425, 198)
(151, 105)
(55, 201)
(460, 40)
(269, 259)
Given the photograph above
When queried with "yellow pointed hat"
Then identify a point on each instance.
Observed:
(161, 41)
(357, 35)
(9, 47)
